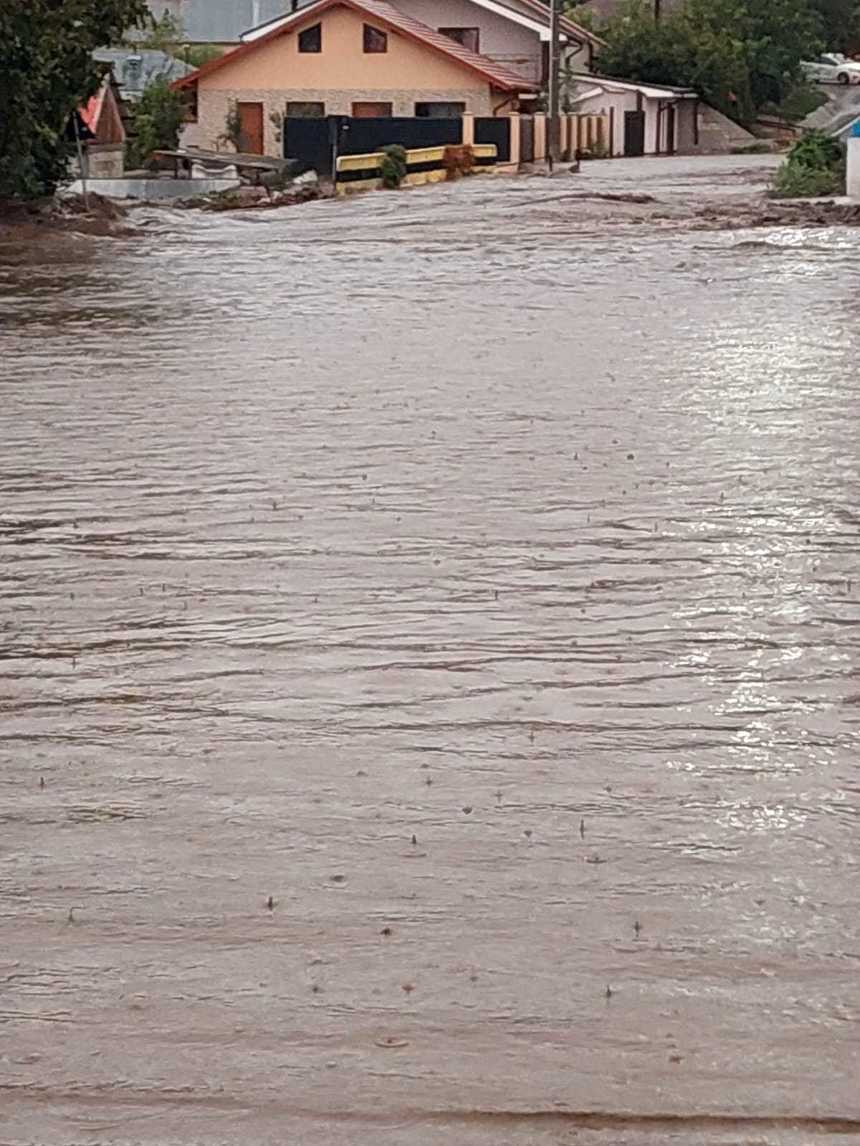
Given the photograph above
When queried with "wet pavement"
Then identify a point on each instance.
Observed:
(480, 583)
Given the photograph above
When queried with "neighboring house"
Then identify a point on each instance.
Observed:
(513, 33)
(218, 21)
(644, 119)
(101, 133)
(134, 69)
(343, 57)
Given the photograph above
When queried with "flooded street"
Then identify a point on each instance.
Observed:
(478, 577)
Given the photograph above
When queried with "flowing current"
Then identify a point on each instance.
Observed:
(481, 584)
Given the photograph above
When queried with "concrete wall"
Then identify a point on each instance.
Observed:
(214, 105)
(853, 179)
(153, 190)
(104, 160)
(657, 142)
(613, 105)
(718, 134)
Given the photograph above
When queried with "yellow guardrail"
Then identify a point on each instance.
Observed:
(423, 165)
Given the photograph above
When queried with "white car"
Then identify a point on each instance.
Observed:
(832, 69)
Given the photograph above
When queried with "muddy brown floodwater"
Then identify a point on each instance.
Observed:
(453, 515)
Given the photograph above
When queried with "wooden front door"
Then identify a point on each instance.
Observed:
(250, 128)
(371, 110)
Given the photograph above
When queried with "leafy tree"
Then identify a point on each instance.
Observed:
(581, 14)
(199, 54)
(740, 55)
(156, 120)
(46, 71)
(781, 34)
(838, 24)
(167, 34)
(160, 33)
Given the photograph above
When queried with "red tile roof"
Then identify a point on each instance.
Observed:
(568, 26)
(390, 18)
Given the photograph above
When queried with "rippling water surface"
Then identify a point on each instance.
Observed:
(430, 516)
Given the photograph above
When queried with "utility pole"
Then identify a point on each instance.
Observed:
(554, 82)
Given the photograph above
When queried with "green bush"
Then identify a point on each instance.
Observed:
(156, 121)
(815, 166)
(393, 166)
(801, 101)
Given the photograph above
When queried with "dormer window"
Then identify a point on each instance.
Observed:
(469, 37)
(374, 40)
(311, 39)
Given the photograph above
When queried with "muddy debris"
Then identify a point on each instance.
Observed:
(62, 216)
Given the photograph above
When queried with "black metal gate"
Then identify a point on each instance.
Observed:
(527, 139)
(634, 133)
(495, 129)
(314, 141)
(310, 142)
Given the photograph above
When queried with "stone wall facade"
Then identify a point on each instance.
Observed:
(213, 105)
(104, 160)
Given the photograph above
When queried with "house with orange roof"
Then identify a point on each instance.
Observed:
(360, 58)
(513, 33)
(101, 132)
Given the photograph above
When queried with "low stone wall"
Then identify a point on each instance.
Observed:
(718, 134)
(153, 190)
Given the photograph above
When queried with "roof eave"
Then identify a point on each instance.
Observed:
(296, 18)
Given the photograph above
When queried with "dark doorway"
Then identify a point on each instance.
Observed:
(634, 133)
(250, 128)
(670, 130)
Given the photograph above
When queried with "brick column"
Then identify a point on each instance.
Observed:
(514, 118)
(540, 137)
(468, 137)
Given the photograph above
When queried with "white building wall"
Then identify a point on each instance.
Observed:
(501, 39)
(853, 180)
(615, 104)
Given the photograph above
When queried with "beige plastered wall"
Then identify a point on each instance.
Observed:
(338, 76)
